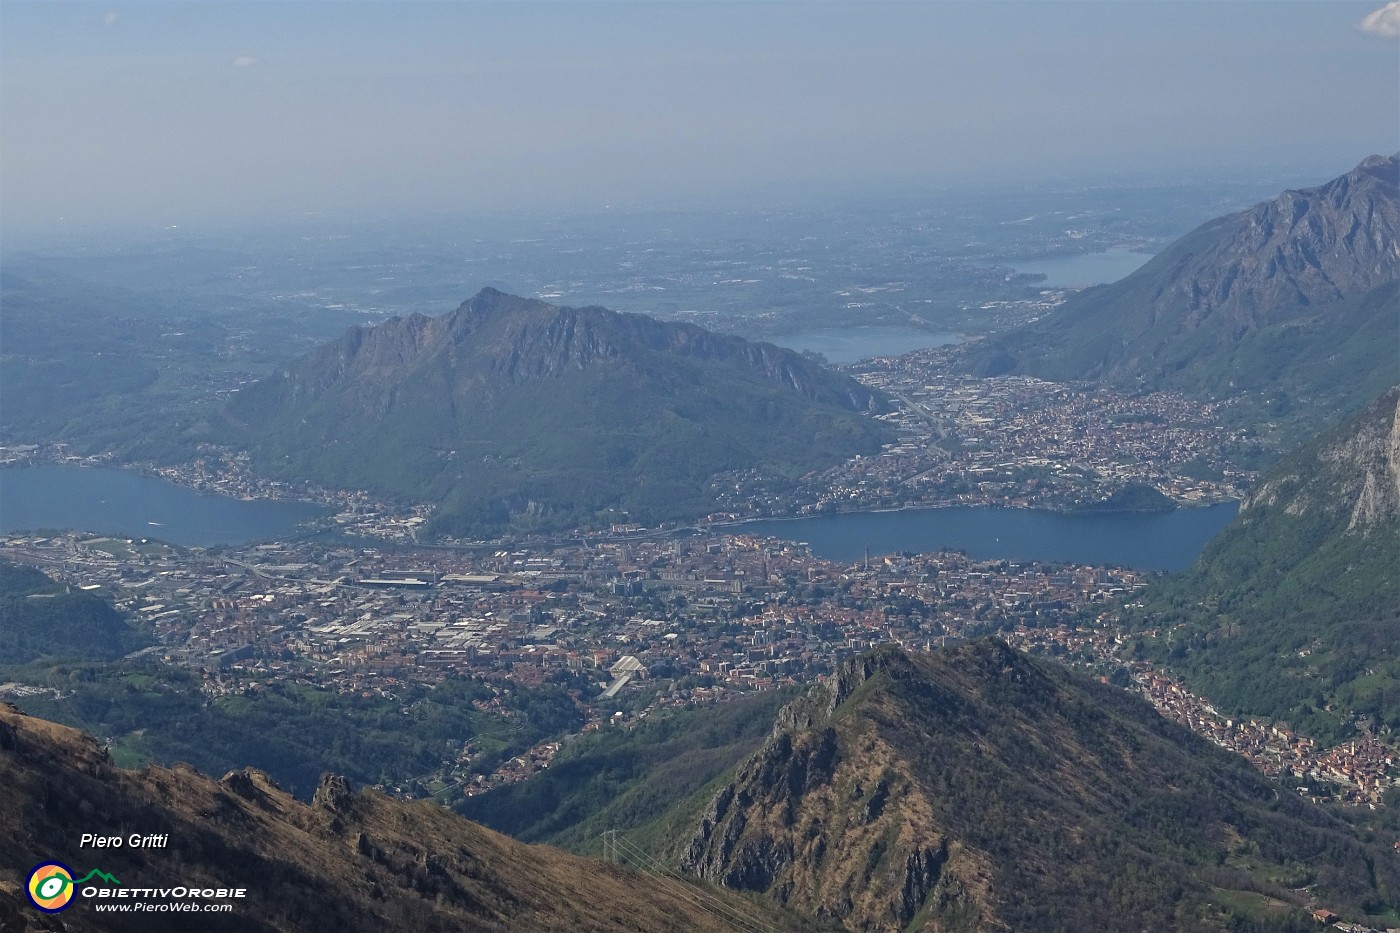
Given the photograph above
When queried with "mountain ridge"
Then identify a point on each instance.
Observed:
(348, 861)
(543, 340)
(1241, 302)
(977, 788)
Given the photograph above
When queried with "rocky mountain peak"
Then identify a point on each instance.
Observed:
(513, 410)
(1294, 297)
(975, 788)
(1386, 167)
(1306, 247)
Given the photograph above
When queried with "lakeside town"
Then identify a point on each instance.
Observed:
(1019, 442)
(637, 619)
(1014, 441)
(634, 626)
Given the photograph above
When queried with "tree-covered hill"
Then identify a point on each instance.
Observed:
(42, 619)
(511, 412)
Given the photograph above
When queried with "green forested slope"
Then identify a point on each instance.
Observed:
(1293, 612)
(40, 618)
(512, 412)
(642, 782)
(157, 713)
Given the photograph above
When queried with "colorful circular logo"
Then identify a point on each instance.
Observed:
(50, 887)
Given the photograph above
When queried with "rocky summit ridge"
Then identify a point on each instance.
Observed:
(977, 788)
(517, 339)
(349, 861)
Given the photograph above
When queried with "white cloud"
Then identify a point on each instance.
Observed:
(246, 61)
(1384, 22)
(110, 19)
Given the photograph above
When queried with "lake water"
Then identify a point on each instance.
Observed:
(118, 502)
(853, 344)
(1087, 269)
(1140, 540)
(132, 505)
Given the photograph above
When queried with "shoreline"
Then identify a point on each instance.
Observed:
(341, 499)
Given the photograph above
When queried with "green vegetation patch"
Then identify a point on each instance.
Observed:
(153, 712)
(649, 782)
(42, 619)
(1292, 613)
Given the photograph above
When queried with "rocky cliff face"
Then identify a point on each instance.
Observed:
(979, 789)
(1355, 473)
(809, 820)
(841, 832)
(1306, 247)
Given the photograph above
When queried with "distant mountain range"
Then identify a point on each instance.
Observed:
(1293, 611)
(977, 788)
(1294, 303)
(347, 862)
(512, 412)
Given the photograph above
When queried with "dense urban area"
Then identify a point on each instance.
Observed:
(669, 617)
(653, 620)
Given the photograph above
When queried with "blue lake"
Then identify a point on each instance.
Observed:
(118, 502)
(132, 505)
(1141, 540)
(853, 344)
(1086, 269)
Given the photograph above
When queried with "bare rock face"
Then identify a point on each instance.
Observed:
(1305, 247)
(1355, 473)
(333, 794)
(1379, 498)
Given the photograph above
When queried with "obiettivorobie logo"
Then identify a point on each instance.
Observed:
(51, 885)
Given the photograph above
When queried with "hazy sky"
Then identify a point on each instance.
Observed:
(158, 113)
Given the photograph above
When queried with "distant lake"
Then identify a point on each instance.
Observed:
(1086, 269)
(1140, 540)
(133, 505)
(853, 344)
